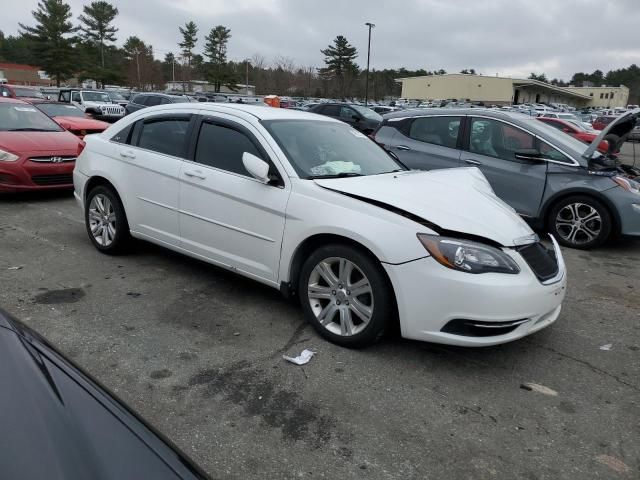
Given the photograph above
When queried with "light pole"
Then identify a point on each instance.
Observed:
(366, 85)
(247, 76)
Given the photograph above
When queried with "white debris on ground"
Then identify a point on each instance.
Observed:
(301, 359)
(534, 387)
(608, 346)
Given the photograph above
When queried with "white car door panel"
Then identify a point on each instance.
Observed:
(225, 215)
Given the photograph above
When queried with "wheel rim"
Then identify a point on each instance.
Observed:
(578, 223)
(102, 220)
(340, 296)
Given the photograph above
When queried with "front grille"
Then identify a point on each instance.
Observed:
(54, 159)
(60, 179)
(542, 261)
(115, 110)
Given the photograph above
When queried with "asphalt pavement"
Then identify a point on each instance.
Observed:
(198, 352)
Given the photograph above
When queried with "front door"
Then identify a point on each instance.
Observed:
(491, 146)
(226, 215)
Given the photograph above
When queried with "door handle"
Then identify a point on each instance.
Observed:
(195, 173)
(472, 162)
(403, 147)
(127, 154)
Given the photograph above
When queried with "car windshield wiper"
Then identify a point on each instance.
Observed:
(27, 129)
(335, 175)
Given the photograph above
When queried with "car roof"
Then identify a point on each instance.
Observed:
(245, 110)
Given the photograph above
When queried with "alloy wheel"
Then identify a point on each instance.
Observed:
(102, 220)
(578, 223)
(340, 296)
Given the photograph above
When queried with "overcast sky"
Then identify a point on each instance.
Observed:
(508, 37)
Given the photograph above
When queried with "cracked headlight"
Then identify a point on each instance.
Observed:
(467, 256)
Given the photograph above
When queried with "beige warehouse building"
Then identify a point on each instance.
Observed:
(505, 91)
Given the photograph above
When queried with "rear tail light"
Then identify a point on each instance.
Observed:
(81, 146)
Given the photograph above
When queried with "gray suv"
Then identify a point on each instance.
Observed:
(553, 180)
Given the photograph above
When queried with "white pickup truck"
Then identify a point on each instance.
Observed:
(94, 102)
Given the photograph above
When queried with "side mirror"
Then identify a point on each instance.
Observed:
(355, 117)
(531, 154)
(257, 167)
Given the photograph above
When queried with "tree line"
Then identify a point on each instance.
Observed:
(87, 49)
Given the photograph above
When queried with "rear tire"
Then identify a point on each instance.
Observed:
(106, 221)
(580, 222)
(346, 295)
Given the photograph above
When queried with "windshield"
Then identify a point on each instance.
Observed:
(95, 97)
(367, 113)
(568, 116)
(28, 92)
(578, 124)
(318, 149)
(61, 110)
(115, 96)
(15, 117)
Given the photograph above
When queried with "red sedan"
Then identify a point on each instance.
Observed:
(576, 130)
(71, 118)
(35, 152)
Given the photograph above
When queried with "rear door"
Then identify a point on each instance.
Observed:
(430, 142)
(226, 215)
(491, 145)
(151, 170)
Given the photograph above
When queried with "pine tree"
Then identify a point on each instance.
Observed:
(189, 40)
(52, 37)
(340, 65)
(215, 49)
(97, 29)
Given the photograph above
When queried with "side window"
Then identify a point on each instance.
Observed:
(164, 136)
(75, 97)
(222, 147)
(65, 96)
(497, 139)
(123, 135)
(164, 100)
(436, 130)
(347, 113)
(152, 100)
(4, 91)
(550, 153)
(331, 110)
(139, 99)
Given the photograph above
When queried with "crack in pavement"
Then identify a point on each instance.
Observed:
(589, 365)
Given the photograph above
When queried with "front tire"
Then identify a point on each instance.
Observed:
(106, 220)
(346, 296)
(580, 222)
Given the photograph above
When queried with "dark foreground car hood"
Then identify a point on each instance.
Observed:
(58, 423)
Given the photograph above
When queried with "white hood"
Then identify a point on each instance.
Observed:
(457, 199)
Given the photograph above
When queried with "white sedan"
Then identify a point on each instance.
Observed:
(310, 206)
